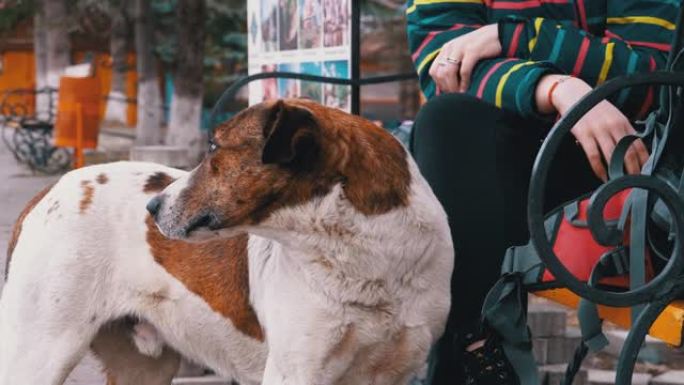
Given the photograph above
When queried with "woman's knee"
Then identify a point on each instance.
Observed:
(454, 117)
(453, 120)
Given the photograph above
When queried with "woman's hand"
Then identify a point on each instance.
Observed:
(454, 64)
(599, 130)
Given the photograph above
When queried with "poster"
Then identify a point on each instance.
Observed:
(303, 36)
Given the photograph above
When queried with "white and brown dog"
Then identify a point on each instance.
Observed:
(343, 277)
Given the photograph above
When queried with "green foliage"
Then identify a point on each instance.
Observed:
(166, 40)
(15, 11)
(225, 54)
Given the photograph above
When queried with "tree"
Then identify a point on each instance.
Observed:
(118, 46)
(149, 99)
(58, 46)
(40, 54)
(186, 104)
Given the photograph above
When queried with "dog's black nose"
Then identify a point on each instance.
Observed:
(154, 205)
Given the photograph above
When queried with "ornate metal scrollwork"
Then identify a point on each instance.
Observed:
(603, 232)
(28, 134)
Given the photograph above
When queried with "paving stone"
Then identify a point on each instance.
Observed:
(204, 380)
(540, 348)
(560, 350)
(554, 374)
(673, 377)
(653, 351)
(546, 320)
(607, 377)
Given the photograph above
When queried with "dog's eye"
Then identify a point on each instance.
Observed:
(212, 147)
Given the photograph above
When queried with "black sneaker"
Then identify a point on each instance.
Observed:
(488, 365)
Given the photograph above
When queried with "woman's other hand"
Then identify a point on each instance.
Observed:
(599, 130)
(453, 66)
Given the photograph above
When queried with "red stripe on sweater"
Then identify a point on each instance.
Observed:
(582, 14)
(432, 35)
(508, 5)
(515, 40)
(612, 35)
(584, 49)
(483, 83)
(648, 44)
(649, 96)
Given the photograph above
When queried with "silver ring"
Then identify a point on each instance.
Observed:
(452, 61)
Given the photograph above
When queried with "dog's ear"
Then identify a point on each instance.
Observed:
(291, 134)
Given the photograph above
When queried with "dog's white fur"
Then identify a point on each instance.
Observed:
(74, 272)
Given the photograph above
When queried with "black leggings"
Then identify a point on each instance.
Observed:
(478, 160)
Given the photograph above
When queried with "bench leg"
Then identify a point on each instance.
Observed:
(635, 339)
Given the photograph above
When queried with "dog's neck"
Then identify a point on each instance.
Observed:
(328, 233)
(328, 226)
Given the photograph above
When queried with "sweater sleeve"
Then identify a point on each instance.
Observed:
(637, 38)
(505, 82)
(510, 84)
(432, 23)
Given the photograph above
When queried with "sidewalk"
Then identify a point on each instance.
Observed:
(17, 186)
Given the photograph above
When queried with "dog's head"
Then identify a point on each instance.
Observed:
(282, 154)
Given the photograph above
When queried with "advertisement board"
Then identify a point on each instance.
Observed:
(301, 36)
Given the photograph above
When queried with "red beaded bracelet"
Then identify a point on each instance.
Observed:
(553, 88)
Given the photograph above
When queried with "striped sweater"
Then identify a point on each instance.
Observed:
(594, 40)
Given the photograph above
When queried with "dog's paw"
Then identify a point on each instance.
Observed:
(148, 341)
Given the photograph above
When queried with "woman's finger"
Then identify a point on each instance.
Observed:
(451, 77)
(632, 163)
(637, 154)
(451, 56)
(591, 150)
(467, 64)
(439, 77)
(607, 145)
(641, 151)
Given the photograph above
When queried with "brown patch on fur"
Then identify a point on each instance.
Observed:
(87, 198)
(217, 271)
(235, 185)
(102, 179)
(16, 231)
(157, 182)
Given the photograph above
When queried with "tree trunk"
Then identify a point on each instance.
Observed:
(118, 47)
(186, 105)
(149, 99)
(58, 55)
(40, 54)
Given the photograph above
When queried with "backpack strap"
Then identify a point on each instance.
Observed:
(505, 307)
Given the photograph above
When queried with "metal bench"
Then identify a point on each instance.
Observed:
(27, 133)
(650, 306)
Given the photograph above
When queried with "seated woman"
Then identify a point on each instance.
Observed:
(498, 74)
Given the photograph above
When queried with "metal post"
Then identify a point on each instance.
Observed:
(356, 56)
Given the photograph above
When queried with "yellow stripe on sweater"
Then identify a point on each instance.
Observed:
(643, 20)
(607, 62)
(502, 82)
(537, 27)
(426, 2)
(427, 59)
